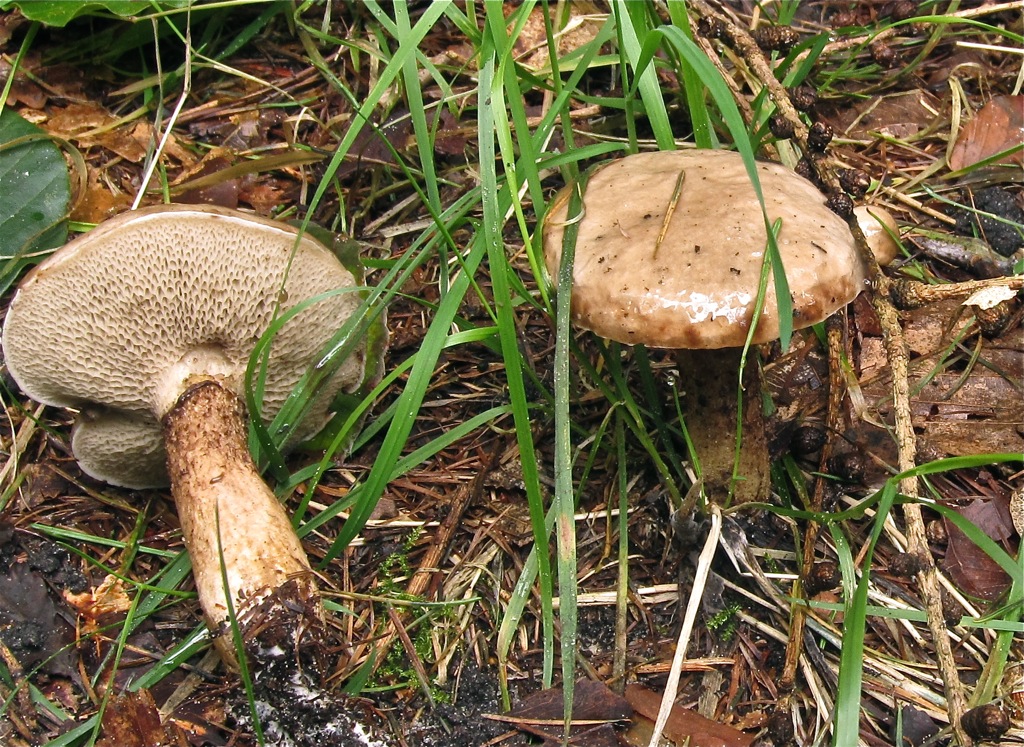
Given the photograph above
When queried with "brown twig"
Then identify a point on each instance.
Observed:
(833, 425)
(743, 43)
(910, 294)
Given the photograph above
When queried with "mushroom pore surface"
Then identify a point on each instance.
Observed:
(698, 288)
(116, 322)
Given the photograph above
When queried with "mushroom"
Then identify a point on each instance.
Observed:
(691, 285)
(879, 227)
(145, 326)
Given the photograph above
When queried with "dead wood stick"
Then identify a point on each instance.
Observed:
(917, 541)
(833, 425)
(744, 44)
(911, 294)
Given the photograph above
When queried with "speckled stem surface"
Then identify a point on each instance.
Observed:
(228, 513)
(710, 386)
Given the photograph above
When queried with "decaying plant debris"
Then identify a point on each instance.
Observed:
(93, 595)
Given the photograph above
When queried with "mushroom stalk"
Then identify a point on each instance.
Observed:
(234, 527)
(709, 384)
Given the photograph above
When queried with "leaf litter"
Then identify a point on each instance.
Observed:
(967, 400)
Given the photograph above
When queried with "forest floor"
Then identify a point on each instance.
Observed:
(434, 135)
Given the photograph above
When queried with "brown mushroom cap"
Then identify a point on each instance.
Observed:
(698, 290)
(117, 321)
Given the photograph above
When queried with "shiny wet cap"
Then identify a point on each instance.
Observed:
(698, 287)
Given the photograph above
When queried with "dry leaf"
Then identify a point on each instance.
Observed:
(684, 724)
(968, 566)
(132, 720)
(30, 624)
(953, 413)
(106, 599)
(541, 714)
(99, 201)
(987, 298)
(581, 28)
(591, 701)
(898, 115)
(997, 126)
(69, 121)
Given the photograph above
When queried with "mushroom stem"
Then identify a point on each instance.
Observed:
(709, 385)
(234, 527)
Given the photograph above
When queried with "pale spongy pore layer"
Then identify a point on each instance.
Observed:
(107, 322)
(698, 289)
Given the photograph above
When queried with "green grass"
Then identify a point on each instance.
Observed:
(481, 215)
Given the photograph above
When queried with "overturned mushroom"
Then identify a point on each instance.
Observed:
(146, 325)
(689, 282)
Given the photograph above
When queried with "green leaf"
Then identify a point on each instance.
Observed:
(34, 196)
(61, 12)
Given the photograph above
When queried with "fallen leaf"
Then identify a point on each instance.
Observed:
(132, 720)
(452, 137)
(998, 126)
(898, 115)
(967, 252)
(99, 201)
(916, 726)
(987, 298)
(109, 598)
(30, 625)
(27, 93)
(541, 714)
(684, 724)
(43, 482)
(265, 195)
(90, 125)
(970, 568)
(581, 28)
(218, 187)
(131, 144)
(952, 413)
(991, 516)
(591, 701)
(71, 120)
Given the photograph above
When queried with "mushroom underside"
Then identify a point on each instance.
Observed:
(146, 325)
